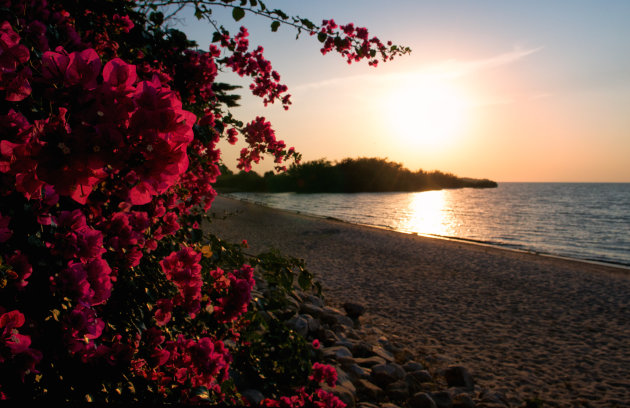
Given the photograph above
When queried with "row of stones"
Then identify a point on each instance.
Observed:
(372, 371)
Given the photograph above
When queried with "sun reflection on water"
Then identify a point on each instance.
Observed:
(426, 214)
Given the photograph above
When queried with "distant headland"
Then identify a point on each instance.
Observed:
(347, 176)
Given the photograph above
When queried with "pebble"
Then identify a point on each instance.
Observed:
(384, 374)
(354, 310)
(373, 371)
(421, 400)
(336, 352)
(442, 399)
(458, 376)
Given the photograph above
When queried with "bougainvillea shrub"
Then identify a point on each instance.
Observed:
(109, 127)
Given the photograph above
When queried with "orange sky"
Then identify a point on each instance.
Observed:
(510, 92)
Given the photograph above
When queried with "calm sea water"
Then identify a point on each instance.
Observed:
(589, 221)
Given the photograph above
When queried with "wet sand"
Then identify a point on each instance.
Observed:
(530, 326)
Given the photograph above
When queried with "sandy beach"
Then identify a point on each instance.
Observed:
(531, 326)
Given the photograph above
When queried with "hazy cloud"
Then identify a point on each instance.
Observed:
(449, 69)
(455, 68)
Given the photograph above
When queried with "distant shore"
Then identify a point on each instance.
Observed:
(534, 326)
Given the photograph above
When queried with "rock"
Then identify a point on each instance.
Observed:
(347, 396)
(336, 352)
(398, 390)
(354, 310)
(417, 379)
(420, 376)
(334, 317)
(313, 323)
(310, 309)
(293, 305)
(493, 398)
(352, 334)
(381, 352)
(421, 400)
(344, 342)
(370, 361)
(314, 300)
(442, 399)
(458, 376)
(384, 374)
(403, 355)
(463, 401)
(357, 371)
(367, 405)
(345, 321)
(346, 361)
(412, 366)
(329, 337)
(329, 315)
(362, 349)
(369, 391)
(255, 397)
(344, 380)
(299, 324)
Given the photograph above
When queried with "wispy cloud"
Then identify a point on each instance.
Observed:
(455, 68)
(449, 69)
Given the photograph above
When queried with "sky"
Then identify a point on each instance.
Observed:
(511, 91)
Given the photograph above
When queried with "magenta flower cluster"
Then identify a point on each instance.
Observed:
(109, 126)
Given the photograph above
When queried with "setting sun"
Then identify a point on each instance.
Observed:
(426, 113)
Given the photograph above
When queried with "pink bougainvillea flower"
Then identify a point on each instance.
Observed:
(17, 85)
(163, 311)
(18, 344)
(324, 372)
(55, 64)
(234, 304)
(119, 76)
(8, 37)
(82, 324)
(123, 23)
(99, 276)
(83, 68)
(183, 269)
(12, 53)
(5, 231)
(21, 267)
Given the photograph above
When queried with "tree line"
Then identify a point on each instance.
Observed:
(347, 176)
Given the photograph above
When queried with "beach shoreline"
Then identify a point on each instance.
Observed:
(537, 327)
(502, 246)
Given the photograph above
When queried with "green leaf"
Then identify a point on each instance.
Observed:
(307, 23)
(216, 36)
(322, 37)
(280, 14)
(274, 26)
(238, 13)
(157, 18)
(254, 3)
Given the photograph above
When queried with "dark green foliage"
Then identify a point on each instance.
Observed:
(276, 359)
(238, 13)
(273, 358)
(347, 176)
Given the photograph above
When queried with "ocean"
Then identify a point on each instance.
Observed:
(586, 221)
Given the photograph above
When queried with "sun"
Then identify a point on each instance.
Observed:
(426, 113)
